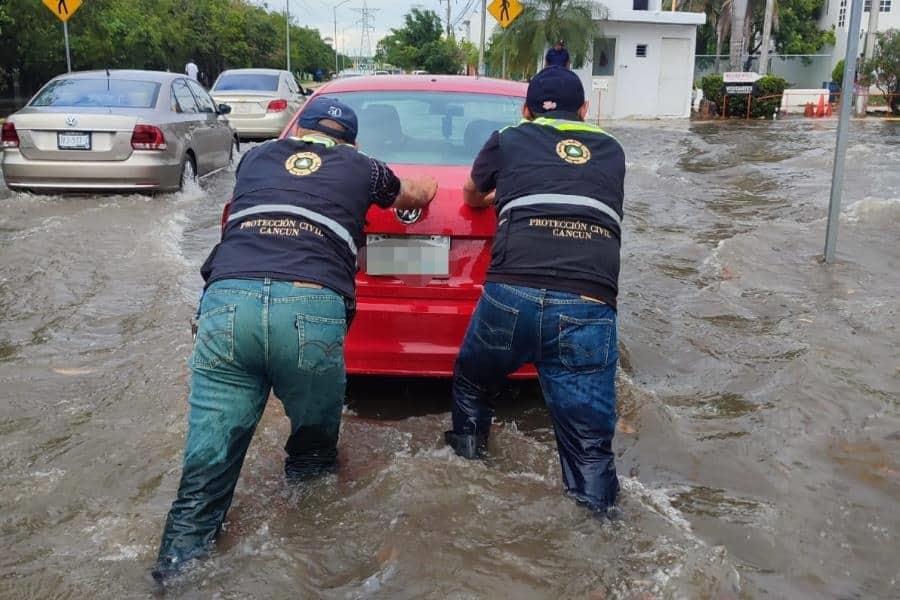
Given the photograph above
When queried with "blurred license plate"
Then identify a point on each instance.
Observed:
(408, 255)
(73, 141)
(242, 109)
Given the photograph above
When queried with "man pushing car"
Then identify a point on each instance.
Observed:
(279, 297)
(550, 293)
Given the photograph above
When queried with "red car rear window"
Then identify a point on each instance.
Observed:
(428, 128)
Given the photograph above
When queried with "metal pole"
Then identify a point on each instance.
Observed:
(766, 36)
(840, 150)
(504, 61)
(287, 32)
(68, 55)
(336, 69)
(481, 48)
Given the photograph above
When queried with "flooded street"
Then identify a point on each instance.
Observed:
(759, 401)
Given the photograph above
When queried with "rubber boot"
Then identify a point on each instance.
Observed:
(469, 446)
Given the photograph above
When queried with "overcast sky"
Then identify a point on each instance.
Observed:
(388, 14)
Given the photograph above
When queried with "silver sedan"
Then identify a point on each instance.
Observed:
(116, 130)
(262, 101)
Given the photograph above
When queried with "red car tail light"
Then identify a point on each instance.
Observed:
(148, 137)
(10, 137)
(277, 106)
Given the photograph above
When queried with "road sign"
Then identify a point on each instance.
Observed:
(505, 11)
(63, 9)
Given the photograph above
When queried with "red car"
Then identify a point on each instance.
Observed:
(420, 274)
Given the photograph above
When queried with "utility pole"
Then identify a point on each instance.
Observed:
(335, 7)
(287, 32)
(766, 37)
(872, 30)
(481, 47)
(449, 28)
(840, 150)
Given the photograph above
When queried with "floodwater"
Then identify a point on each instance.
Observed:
(759, 441)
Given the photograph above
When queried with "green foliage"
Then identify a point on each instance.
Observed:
(883, 69)
(794, 31)
(837, 74)
(418, 45)
(712, 88)
(766, 99)
(149, 34)
(540, 24)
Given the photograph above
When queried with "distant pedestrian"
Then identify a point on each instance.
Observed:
(279, 297)
(557, 56)
(191, 69)
(557, 184)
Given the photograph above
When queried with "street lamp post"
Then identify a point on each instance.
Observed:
(335, 7)
(287, 32)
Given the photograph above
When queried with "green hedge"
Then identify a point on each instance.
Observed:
(769, 85)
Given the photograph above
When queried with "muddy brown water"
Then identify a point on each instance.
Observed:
(759, 441)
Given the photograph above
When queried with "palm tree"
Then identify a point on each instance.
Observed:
(542, 23)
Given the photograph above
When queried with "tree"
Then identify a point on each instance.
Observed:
(149, 34)
(418, 45)
(794, 26)
(541, 23)
(883, 69)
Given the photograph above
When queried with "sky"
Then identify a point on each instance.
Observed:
(386, 14)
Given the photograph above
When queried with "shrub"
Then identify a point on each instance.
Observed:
(712, 88)
(769, 85)
(837, 75)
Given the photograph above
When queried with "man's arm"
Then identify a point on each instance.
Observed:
(389, 191)
(475, 198)
(416, 193)
(479, 190)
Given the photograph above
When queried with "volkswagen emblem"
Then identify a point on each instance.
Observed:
(71, 120)
(408, 215)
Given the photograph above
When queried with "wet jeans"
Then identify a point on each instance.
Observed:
(572, 342)
(254, 336)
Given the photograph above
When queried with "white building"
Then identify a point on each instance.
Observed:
(642, 64)
(837, 15)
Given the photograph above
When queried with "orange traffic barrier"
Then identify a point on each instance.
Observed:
(809, 110)
(820, 109)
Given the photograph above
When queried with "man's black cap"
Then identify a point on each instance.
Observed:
(555, 89)
(323, 107)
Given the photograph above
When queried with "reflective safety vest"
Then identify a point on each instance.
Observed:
(560, 189)
(297, 214)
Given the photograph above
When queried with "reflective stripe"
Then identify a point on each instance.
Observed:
(538, 199)
(335, 227)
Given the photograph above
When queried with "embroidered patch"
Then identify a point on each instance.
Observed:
(549, 105)
(573, 152)
(303, 163)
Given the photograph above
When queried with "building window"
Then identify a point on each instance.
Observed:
(842, 13)
(604, 57)
(641, 51)
(883, 6)
(640, 4)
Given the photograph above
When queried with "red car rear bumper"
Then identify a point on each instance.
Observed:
(407, 337)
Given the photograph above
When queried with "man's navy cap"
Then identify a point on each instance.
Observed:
(323, 107)
(555, 89)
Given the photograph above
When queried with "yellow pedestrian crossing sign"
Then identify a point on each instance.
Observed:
(505, 11)
(63, 9)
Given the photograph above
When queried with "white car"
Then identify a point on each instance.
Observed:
(262, 101)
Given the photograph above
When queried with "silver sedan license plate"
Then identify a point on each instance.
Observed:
(408, 255)
(73, 141)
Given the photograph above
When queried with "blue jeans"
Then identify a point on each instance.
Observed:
(572, 342)
(253, 337)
